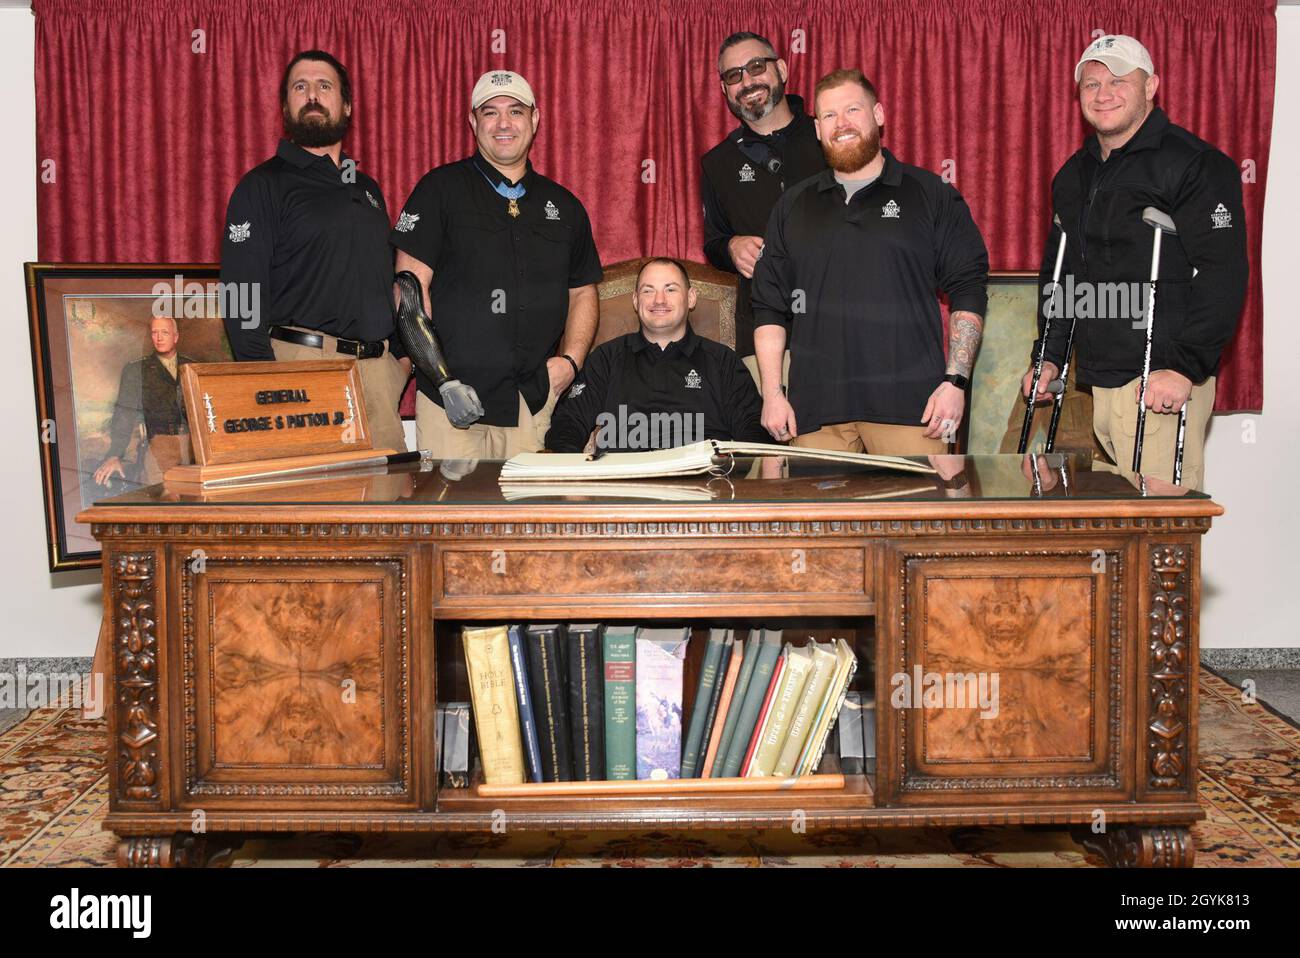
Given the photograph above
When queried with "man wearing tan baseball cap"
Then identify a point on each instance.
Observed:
(507, 266)
(1138, 159)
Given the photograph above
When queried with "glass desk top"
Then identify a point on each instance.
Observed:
(769, 480)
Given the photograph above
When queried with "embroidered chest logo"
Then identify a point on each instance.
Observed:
(406, 222)
(890, 211)
(692, 380)
(240, 231)
(576, 391)
(373, 202)
(1221, 218)
(747, 174)
(551, 212)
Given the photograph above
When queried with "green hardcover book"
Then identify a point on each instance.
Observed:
(619, 650)
(703, 694)
(737, 700)
(768, 652)
(824, 665)
(785, 700)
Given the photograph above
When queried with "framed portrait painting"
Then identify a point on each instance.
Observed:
(108, 342)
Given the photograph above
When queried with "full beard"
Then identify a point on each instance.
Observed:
(753, 115)
(307, 131)
(854, 155)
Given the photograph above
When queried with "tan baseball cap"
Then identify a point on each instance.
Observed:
(1120, 55)
(501, 83)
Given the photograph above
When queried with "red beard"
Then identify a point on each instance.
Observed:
(854, 155)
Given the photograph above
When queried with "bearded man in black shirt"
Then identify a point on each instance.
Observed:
(853, 261)
(308, 233)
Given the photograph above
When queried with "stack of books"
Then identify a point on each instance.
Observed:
(588, 702)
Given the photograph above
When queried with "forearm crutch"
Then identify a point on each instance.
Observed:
(1160, 224)
(1042, 343)
(1057, 388)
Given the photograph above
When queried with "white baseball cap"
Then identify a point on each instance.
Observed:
(1121, 55)
(501, 83)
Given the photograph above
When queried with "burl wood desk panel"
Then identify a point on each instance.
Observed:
(277, 651)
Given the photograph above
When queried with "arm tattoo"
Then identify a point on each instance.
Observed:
(963, 341)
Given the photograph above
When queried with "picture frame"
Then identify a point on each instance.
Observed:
(997, 410)
(89, 322)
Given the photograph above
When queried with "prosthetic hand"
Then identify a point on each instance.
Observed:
(459, 400)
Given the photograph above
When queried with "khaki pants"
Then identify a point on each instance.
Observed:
(880, 439)
(1115, 422)
(162, 453)
(751, 363)
(435, 432)
(382, 382)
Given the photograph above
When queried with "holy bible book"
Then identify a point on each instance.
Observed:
(690, 460)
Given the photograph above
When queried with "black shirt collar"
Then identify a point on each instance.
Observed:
(295, 154)
(686, 345)
(1148, 136)
(495, 177)
(891, 175)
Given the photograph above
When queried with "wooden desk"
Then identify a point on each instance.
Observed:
(278, 653)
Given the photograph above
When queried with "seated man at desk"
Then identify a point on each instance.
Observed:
(661, 386)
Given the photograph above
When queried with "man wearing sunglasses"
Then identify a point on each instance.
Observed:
(774, 147)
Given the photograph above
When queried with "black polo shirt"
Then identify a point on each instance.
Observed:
(856, 287)
(740, 190)
(313, 236)
(500, 291)
(631, 376)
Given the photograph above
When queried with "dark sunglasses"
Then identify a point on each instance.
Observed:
(755, 68)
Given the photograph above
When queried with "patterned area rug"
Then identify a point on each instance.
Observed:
(54, 795)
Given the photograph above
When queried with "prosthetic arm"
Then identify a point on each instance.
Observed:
(459, 400)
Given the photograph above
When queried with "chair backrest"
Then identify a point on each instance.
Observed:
(714, 316)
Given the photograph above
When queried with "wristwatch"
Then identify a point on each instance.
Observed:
(958, 380)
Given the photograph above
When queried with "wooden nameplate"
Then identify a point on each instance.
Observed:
(250, 419)
(667, 786)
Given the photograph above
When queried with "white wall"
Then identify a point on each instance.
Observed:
(1249, 561)
(1250, 596)
(43, 614)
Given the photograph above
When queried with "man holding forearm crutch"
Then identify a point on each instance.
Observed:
(1139, 160)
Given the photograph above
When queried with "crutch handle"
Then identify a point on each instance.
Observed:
(1158, 219)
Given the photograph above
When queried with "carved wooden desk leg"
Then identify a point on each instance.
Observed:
(179, 850)
(159, 851)
(1141, 846)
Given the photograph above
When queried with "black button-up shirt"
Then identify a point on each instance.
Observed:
(856, 286)
(642, 397)
(500, 292)
(312, 236)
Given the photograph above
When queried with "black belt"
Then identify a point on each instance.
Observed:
(315, 341)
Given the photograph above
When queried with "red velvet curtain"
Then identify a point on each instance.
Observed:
(152, 110)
